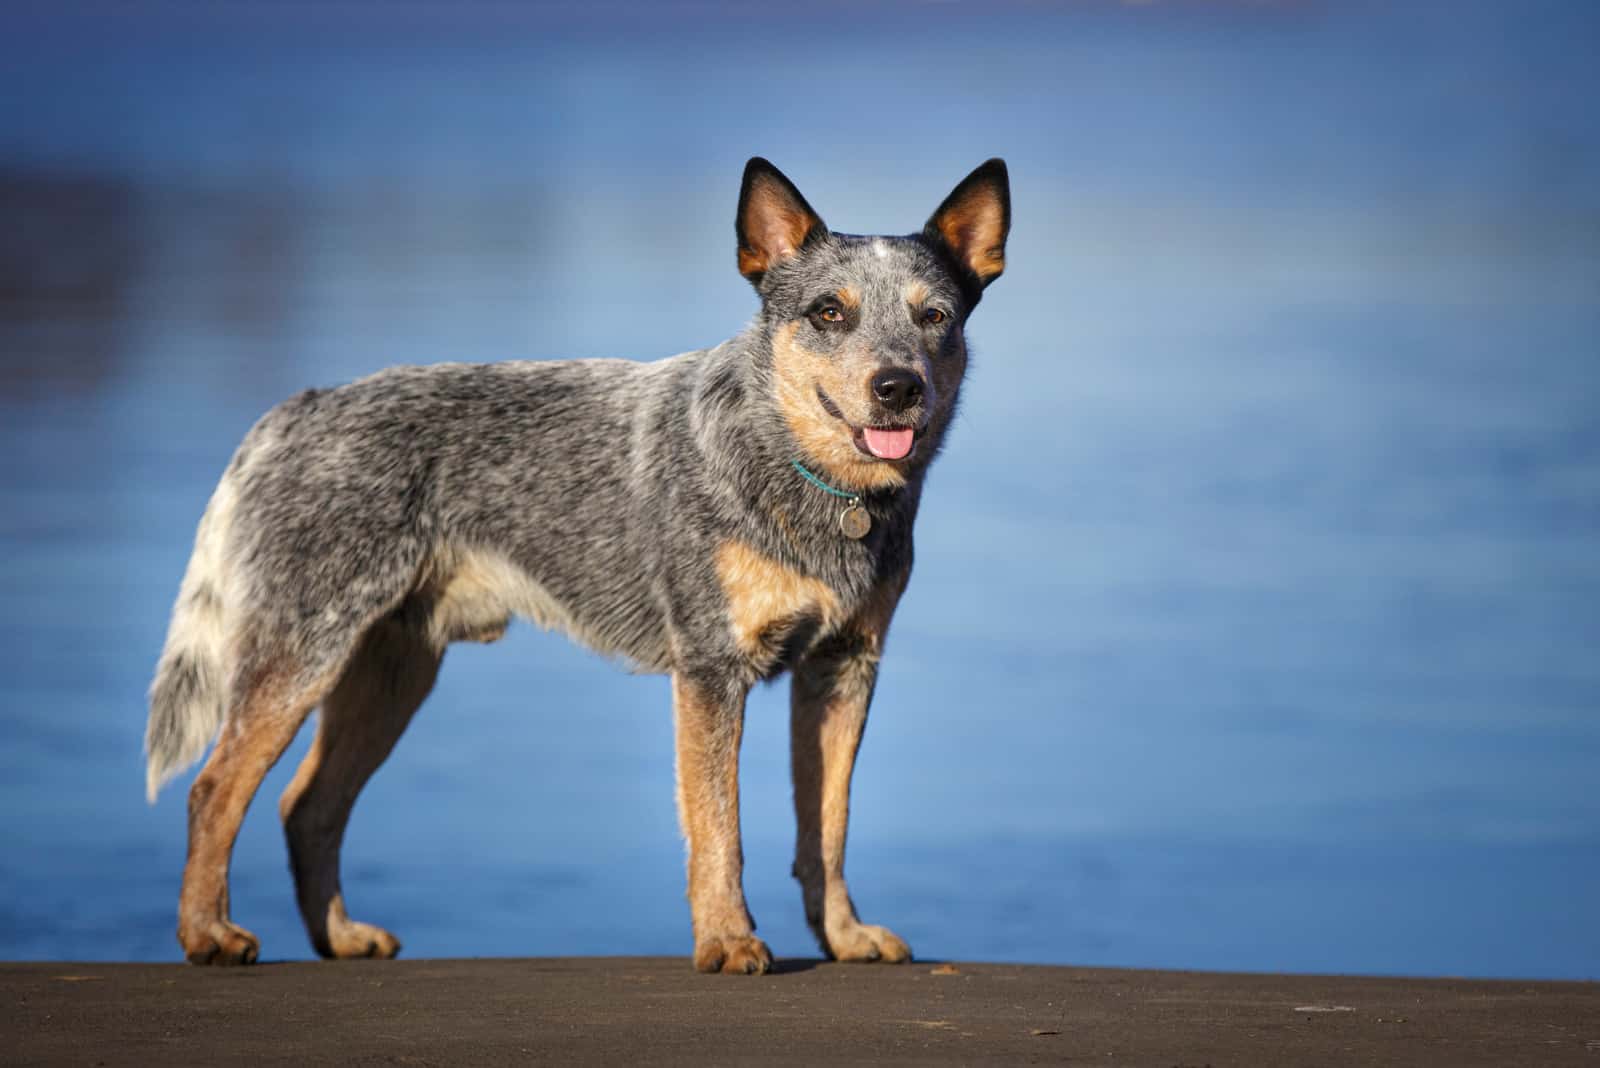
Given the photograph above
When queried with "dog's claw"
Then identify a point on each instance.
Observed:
(355, 940)
(867, 943)
(734, 955)
(222, 943)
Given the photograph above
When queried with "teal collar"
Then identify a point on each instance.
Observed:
(854, 521)
(817, 482)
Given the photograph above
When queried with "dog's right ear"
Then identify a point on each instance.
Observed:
(774, 221)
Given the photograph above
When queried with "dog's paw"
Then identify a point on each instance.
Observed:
(734, 955)
(867, 942)
(220, 942)
(351, 939)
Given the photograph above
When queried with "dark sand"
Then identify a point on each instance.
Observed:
(655, 1010)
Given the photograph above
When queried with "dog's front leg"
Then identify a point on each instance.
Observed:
(828, 712)
(709, 721)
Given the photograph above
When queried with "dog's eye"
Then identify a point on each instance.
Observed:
(830, 314)
(933, 316)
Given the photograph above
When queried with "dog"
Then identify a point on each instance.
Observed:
(721, 516)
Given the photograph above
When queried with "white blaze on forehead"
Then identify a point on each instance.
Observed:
(880, 250)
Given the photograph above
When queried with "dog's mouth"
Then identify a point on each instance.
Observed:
(886, 443)
(878, 442)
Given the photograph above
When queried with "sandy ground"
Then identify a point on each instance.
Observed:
(658, 1011)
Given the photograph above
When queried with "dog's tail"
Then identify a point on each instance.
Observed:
(188, 696)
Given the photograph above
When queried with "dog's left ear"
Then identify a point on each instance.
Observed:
(974, 220)
(774, 221)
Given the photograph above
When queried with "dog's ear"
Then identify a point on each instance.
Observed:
(774, 221)
(974, 220)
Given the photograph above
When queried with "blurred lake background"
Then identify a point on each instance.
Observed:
(1256, 622)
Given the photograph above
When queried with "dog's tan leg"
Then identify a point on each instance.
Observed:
(362, 718)
(261, 725)
(828, 712)
(709, 726)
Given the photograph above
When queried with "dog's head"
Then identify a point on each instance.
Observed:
(866, 332)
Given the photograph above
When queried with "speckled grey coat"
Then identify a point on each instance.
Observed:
(651, 510)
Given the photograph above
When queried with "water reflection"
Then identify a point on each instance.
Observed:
(69, 261)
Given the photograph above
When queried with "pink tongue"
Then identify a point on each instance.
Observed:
(888, 444)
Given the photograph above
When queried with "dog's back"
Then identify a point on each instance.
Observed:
(462, 494)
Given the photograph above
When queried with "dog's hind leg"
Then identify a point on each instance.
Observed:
(829, 696)
(362, 718)
(264, 715)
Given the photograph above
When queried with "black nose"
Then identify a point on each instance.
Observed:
(897, 389)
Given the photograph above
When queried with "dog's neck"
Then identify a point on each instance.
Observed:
(734, 403)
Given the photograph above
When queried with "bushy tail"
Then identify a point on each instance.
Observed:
(189, 694)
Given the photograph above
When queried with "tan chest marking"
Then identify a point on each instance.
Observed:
(764, 595)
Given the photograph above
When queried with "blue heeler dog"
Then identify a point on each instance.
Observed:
(721, 516)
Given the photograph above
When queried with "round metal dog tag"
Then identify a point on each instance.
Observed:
(854, 522)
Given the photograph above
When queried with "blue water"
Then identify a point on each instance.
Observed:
(1255, 614)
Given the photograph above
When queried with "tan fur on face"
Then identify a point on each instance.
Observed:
(764, 595)
(826, 441)
(916, 294)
